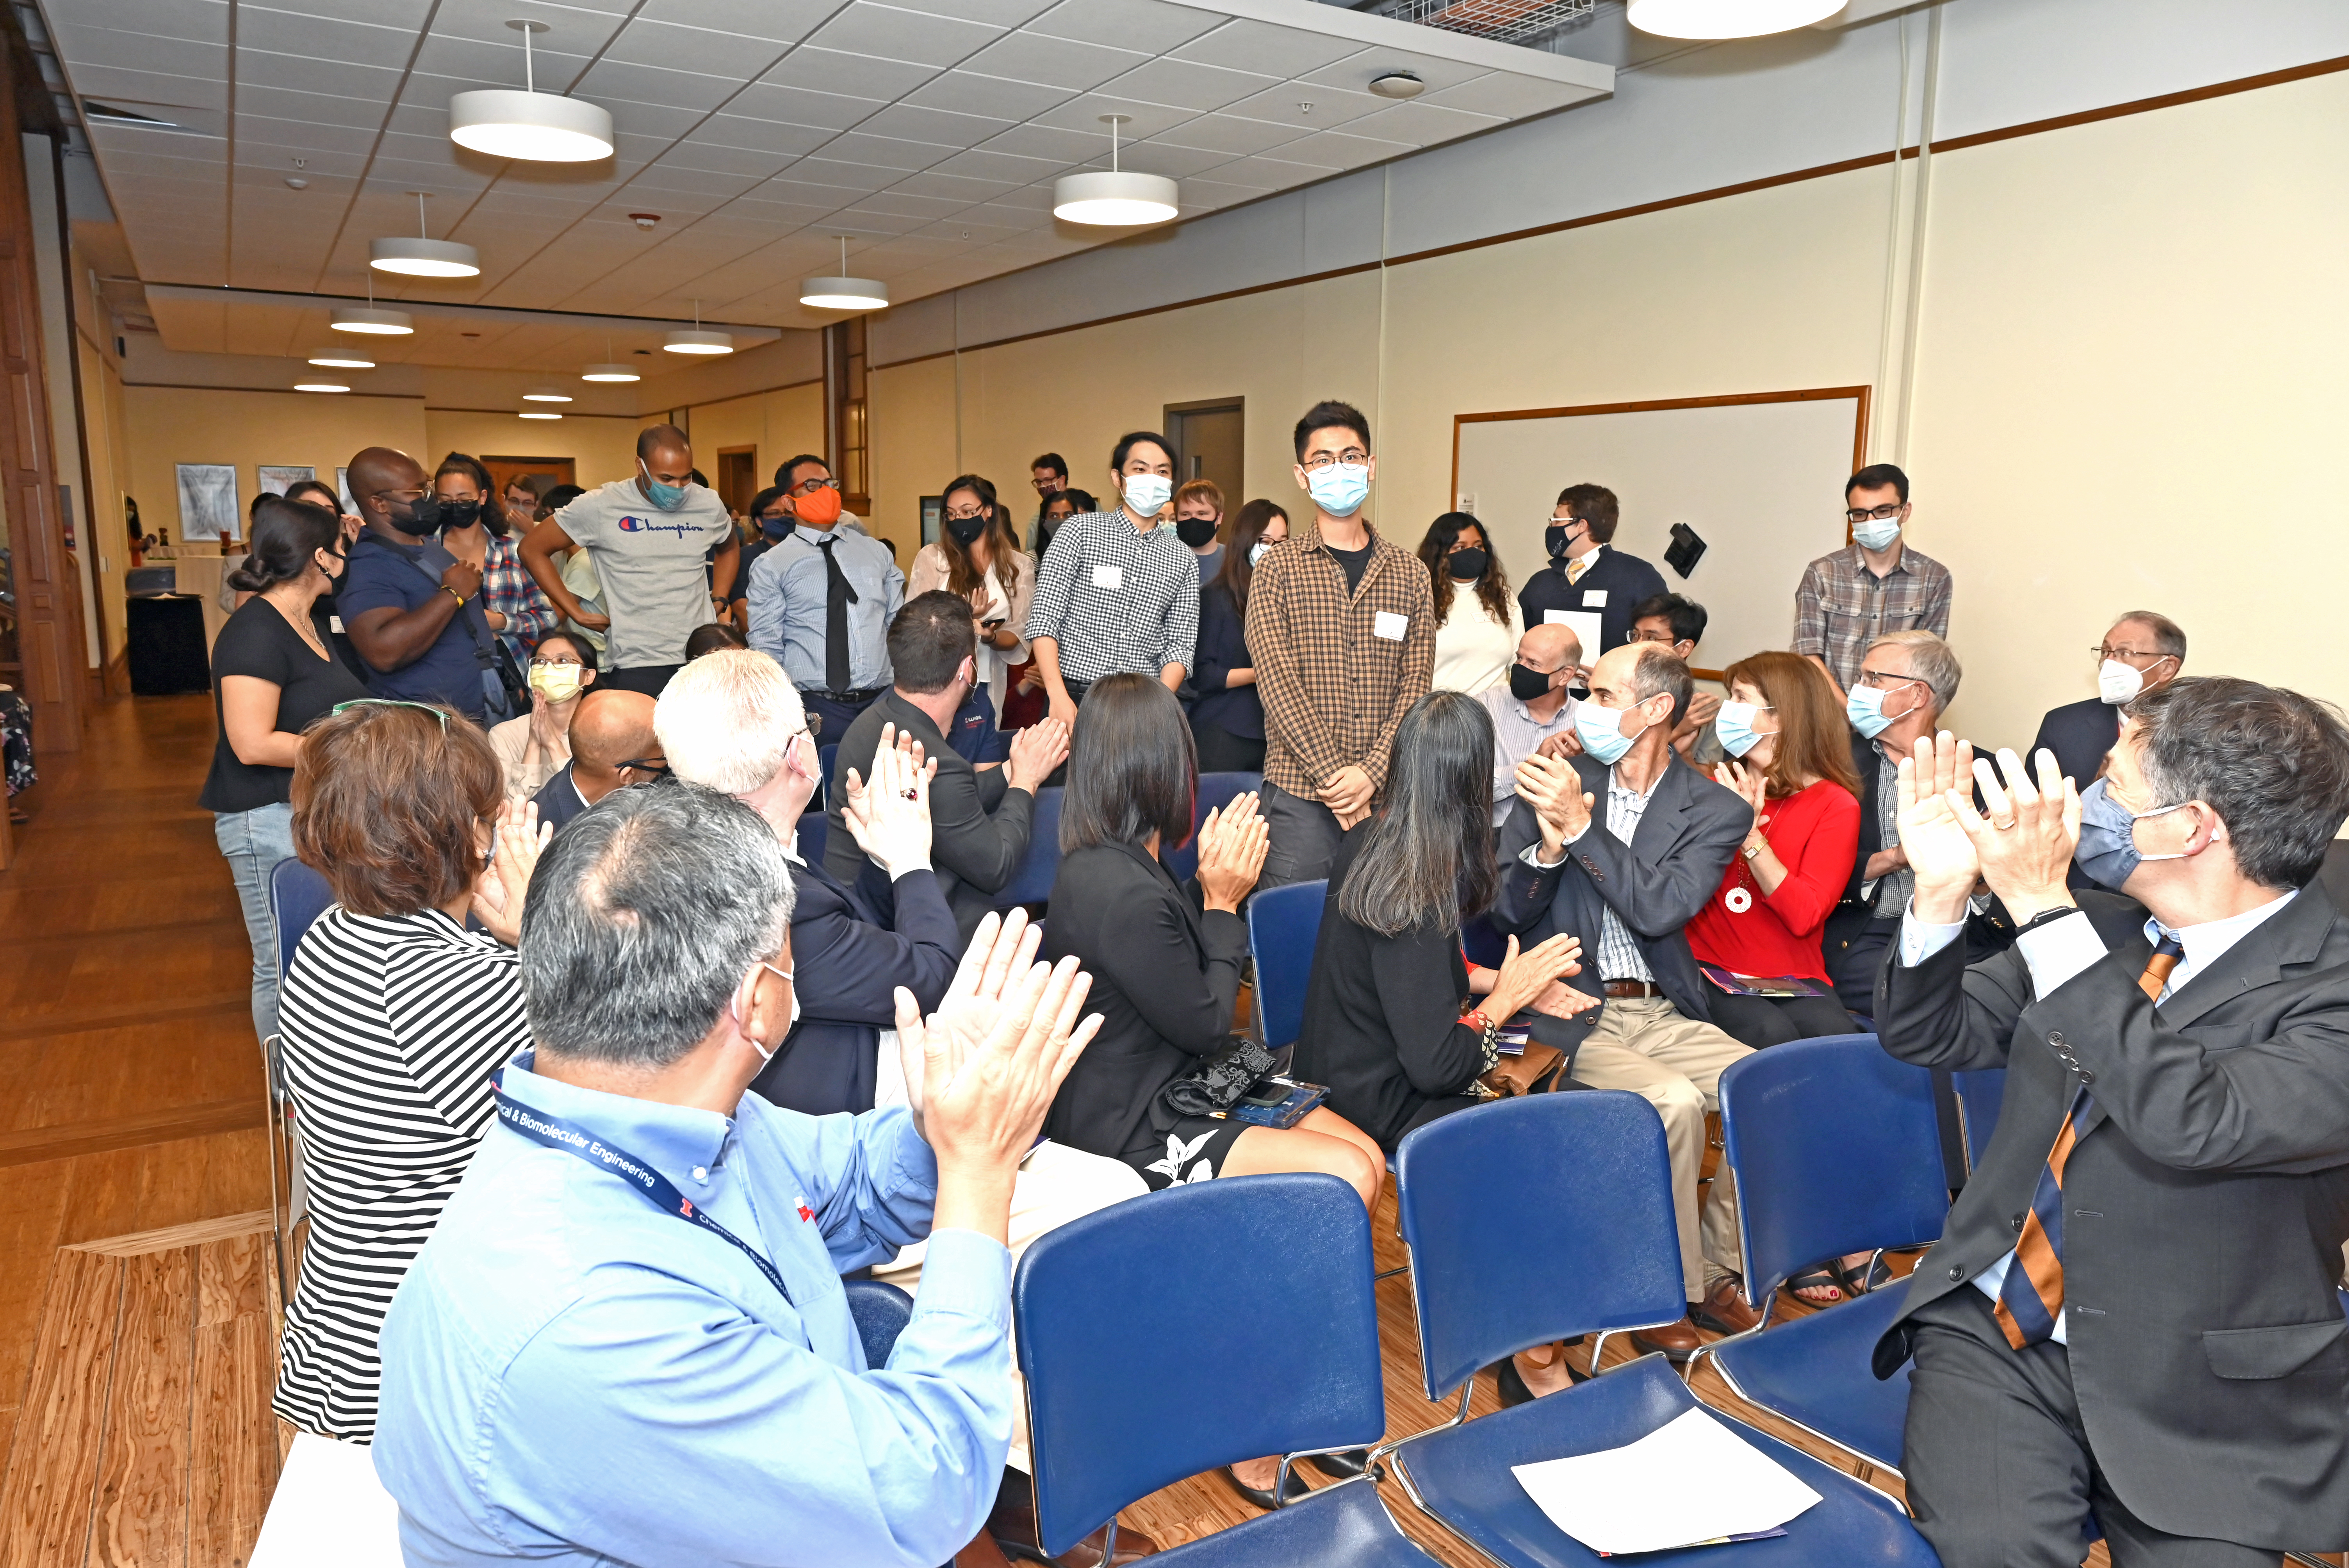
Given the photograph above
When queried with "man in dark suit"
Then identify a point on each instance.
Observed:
(1588, 584)
(979, 816)
(1621, 846)
(2144, 652)
(2131, 1310)
(612, 747)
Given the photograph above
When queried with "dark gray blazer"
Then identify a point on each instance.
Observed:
(1655, 885)
(2206, 1206)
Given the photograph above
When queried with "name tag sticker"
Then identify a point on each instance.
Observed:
(1390, 625)
(334, 623)
(1109, 577)
(1594, 598)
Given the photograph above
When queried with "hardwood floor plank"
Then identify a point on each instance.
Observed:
(46, 1498)
(142, 1474)
(32, 1220)
(233, 1450)
(130, 1133)
(115, 1016)
(233, 1269)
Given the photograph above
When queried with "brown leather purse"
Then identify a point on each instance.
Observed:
(1530, 1073)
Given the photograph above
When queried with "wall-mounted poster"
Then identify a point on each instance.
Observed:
(208, 508)
(343, 489)
(276, 479)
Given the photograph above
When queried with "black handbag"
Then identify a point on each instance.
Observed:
(1219, 1080)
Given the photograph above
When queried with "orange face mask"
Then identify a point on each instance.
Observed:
(821, 509)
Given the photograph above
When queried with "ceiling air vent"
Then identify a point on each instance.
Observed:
(1503, 21)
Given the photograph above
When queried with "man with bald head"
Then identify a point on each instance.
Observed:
(1532, 712)
(651, 538)
(613, 745)
(412, 610)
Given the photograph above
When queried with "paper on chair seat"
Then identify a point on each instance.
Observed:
(1691, 1481)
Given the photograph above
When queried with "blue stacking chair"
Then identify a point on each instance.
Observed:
(1979, 1095)
(1113, 1312)
(1032, 883)
(1284, 923)
(1214, 789)
(815, 832)
(881, 1310)
(1835, 1150)
(297, 896)
(1535, 1220)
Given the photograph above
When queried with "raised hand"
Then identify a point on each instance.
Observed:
(1037, 751)
(2024, 845)
(1554, 789)
(889, 815)
(504, 885)
(1232, 845)
(1937, 849)
(1752, 784)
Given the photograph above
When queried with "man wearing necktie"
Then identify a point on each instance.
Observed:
(821, 601)
(2130, 1320)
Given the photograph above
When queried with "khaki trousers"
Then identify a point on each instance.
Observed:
(1643, 1044)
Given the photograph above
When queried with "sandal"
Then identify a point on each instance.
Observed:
(1859, 1282)
(1826, 1276)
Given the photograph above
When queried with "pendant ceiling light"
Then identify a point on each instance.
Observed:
(698, 340)
(530, 125)
(538, 414)
(319, 386)
(423, 257)
(545, 395)
(335, 359)
(372, 321)
(844, 293)
(610, 370)
(1115, 198)
(1726, 18)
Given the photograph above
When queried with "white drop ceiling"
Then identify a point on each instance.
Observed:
(757, 130)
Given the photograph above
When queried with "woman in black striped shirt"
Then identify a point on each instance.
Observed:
(392, 1018)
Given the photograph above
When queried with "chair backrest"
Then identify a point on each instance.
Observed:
(1836, 1149)
(1032, 883)
(1979, 1095)
(1482, 943)
(881, 1310)
(1284, 923)
(1138, 1335)
(815, 832)
(1214, 789)
(825, 757)
(297, 896)
(1535, 1219)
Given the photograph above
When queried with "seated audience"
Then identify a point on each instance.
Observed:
(712, 635)
(1199, 519)
(1622, 845)
(531, 748)
(979, 819)
(1228, 717)
(1677, 622)
(273, 674)
(390, 1022)
(574, 1372)
(2144, 652)
(1474, 641)
(1534, 710)
(977, 558)
(1907, 680)
(612, 746)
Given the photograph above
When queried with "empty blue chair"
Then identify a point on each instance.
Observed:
(1535, 1220)
(1032, 883)
(1980, 1094)
(1836, 1149)
(1214, 789)
(1114, 1312)
(881, 1310)
(297, 896)
(1284, 923)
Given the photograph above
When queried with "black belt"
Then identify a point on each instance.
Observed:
(844, 697)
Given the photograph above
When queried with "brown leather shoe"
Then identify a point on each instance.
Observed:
(1724, 1309)
(1677, 1341)
(1013, 1525)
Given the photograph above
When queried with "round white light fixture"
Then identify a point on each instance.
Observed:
(1397, 85)
(546, 395)
(330, 359)
(530, 125)
(319, 386)
(697, 340)
(422, 257)
(372, 321)
(538, 414)
(1726, 18)
(844, 293)
(609, 373)
(1114, 198)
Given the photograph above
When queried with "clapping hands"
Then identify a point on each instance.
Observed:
(518, 840)
(889, 814)
(1232, 845)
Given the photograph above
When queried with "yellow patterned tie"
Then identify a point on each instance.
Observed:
(1575, 569)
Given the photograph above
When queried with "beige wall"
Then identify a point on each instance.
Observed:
(2126, 326)
(602, 447)
(169, 426)
(780, 424)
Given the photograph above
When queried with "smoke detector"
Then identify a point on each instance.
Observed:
(1397, 85)
(644, 220)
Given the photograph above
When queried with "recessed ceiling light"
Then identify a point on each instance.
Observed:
(318, 386)
(1397, 85)
(530, 125)
(373, 321)
(844, 293)
(328, 359)
(538, 414)
(1725, 18)
(609, 373)
(1115, 198)
(546, 395)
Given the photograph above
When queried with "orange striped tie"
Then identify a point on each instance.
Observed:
(2032, 1297)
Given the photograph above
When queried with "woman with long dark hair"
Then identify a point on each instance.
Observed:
(1474, 644)
(1227, 719)
(976, 557)
(475, 526)
(274, 674)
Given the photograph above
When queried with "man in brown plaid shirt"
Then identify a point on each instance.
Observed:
(1341, 624)
(1877, 584)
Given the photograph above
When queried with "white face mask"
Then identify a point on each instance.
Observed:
(1256, 552)
(2117, 683)
(784, 974)
(1147, 493)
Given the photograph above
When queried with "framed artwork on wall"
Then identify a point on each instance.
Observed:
(276, 479)
(208, 505)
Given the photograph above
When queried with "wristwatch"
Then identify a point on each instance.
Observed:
(1750, 851)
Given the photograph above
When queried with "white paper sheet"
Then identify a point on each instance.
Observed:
(1692, 1480)
(1585, 624)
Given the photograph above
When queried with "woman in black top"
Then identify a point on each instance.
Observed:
(273, 675)
(1227, 719)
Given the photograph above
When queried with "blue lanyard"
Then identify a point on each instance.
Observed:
(658, 1191)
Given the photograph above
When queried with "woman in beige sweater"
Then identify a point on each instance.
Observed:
(976, 557)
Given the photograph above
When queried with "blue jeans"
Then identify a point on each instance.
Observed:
(253, 842)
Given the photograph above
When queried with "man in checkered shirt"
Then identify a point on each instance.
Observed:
(1874, 584)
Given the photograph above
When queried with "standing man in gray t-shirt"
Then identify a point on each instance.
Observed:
(649, 538)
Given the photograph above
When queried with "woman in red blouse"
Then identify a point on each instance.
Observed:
(1791, 757)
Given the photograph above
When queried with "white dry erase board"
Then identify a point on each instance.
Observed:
(1759, 476)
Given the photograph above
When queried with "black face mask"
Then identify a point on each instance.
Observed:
(1554, 538)
(1195, 531)
(967, 530)
(459, 513)
(422, 517)
(1528, 685)
(1468, 565)
(777, 529)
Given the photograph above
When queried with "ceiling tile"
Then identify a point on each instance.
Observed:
(1343, 151)
(853, 76)
(263, 68)
(804, 187)
(1053, 62)
(1356, 73)
(1503, 93)
(779, 21)
(1272, 173)
(1186, 85)
(301, 136)
(985, 163)
(885, 152)
(965, 228)
(1230, 134)
(1151, 25)
(324, 109)
(323, 38)
(668, 177)
(574, 27)
(936, 125)
(961, 189)
(1158, 158)
(1331, 106)
(1003, 215)
(85, 48)
(799, 106)
(866, 221)
(614, 80)
(761, 136)
(784, 212)
(127, 89)
(967, 92)
(694, 153)
(1246, 46)
(1421, 124)
(202, 21)
(1083, 114)
(885, 32)
(1213, 190)
(1036, 198)
(900, 200)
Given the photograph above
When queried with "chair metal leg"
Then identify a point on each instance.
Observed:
(1697, 1357)
(273, 1134)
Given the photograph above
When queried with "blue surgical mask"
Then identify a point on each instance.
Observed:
(1340, 488)
(669, 498)
(1147, 493)
(1734, 727)
(1601, 730)
(2108, 853)
(1864, 706)
(1875, 535)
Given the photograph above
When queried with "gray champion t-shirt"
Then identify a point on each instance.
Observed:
(652, 565)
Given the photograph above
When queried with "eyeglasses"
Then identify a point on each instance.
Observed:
(953, 516)
(1321, 461)
(556, 663)
(1047, 487)
(439, 713)
(646, 765)
(809, 487)
(1636, 635)
(1873, 513)
(412, 493)
(1886, 680)
(2105, 652)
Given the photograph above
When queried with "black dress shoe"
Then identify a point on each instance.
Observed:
(1511, 1383)
(1343, 1466)
(1262, 1496)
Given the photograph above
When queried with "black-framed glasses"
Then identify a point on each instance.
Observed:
(1887, 680)
(1665, 638)
(646, 765)
(412, 493)
(1873, 513)
(2105, 652)
(809, 487)
(439, 713)
(1321, 461)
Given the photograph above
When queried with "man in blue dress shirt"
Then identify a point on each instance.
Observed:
(821, 598)
(628, 1340)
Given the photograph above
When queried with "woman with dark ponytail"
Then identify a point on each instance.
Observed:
(274, 674)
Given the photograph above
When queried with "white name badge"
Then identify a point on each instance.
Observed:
(1109, 577)
(334, 623)
(1594, 598)
(1390, 625)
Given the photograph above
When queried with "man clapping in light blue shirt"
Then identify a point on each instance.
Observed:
(628, 1340)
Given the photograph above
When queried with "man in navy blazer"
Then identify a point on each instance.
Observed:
(1621, 846)
(733, 721)
(1587, 575)
(2144, 652)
